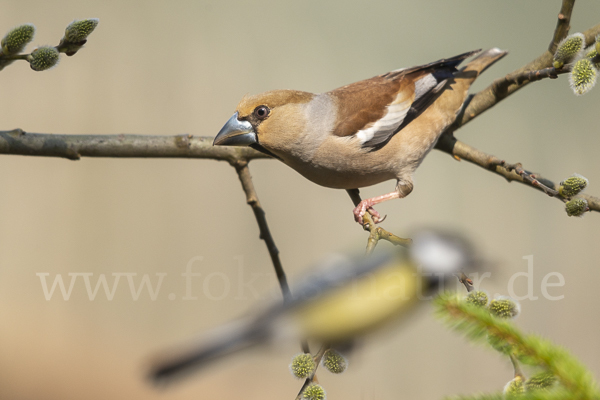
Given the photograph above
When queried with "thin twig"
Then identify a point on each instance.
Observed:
(265, 234)
(562, 25)
(517, 368)
(459, 150)
(13, 57)
(533, 76)
(466, 281)
(393, 239)
(375, 232)
(241, 167)
(531, 178)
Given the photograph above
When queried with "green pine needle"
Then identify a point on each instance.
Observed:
(476, 323)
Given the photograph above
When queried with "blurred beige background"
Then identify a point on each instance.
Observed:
(155, 67)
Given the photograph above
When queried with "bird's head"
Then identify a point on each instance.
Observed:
(265, 121)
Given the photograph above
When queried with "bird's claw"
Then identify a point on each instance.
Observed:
(376, 216)
(377, 219)
(364, 207)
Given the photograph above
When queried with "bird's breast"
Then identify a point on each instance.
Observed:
(353, 309)
(327, 159)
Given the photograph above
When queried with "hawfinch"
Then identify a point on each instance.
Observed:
(363, 133)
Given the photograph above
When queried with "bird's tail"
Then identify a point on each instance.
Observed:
(483, 61)
(452, 61)
(463, 78)
(445, 64)
(229, 339)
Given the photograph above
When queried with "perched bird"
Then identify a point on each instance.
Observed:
(363, 133)
(343, 299)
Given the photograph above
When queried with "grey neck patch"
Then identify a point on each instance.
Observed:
(320, 118)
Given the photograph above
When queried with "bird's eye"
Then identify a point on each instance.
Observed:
(261, 112)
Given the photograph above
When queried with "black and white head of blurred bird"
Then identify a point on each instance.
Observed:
(344, 300)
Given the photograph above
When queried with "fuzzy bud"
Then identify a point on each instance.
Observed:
(514, 388)
(572, 185)
(17, 38)
(334, 362)
(504, 308)
(43, 58)
(478, 298)
(592, 55)
(302, 366)
(568, 49)
(76, 35)
(583, 76)
(598, 43)
(541, 381)
(576, 207)
(78, 31)
(314, 392)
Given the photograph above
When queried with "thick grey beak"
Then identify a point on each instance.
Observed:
(235, 133)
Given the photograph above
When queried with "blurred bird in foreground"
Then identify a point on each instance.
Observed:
(343, 300)
(363, 133)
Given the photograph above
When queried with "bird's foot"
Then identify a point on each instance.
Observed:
(366, 206)
(377, 219)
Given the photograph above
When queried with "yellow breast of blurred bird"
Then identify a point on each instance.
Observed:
(360, 306)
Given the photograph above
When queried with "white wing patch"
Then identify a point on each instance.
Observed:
(394, 116)
(386, 127)
(424, 85)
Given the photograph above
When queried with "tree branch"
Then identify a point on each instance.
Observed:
(241, 167)
(503, 87)
(265, 234)
(562, 25)
(375, 232)
(73, 147)
(459, 150)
